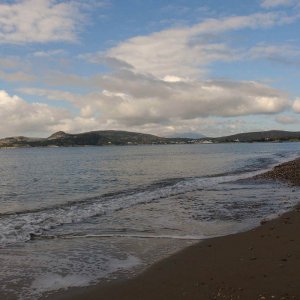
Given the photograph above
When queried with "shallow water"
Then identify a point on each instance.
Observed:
(73, 216)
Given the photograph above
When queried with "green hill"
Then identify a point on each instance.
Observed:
(93, 138)
(115, 137)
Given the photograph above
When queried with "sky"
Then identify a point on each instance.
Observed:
(213, 67)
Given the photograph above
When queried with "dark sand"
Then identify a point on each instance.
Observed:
(263, 263)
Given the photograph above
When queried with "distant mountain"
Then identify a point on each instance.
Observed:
(260, 136)
(114, 137)
(92, 138)
(18, 141)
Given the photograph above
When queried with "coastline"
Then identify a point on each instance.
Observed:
(263, 263)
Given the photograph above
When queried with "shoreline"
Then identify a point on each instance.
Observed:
(153, 144)
(263, 263)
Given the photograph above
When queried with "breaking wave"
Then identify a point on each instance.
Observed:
(24, 226)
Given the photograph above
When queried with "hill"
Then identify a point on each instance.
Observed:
(92, 138)
(260, 136)
(114, 137)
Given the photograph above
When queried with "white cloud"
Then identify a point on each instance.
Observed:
(155, 84)
(20, 117)
(190, 100)
(186, 52)
(275, 3)
(296, 105)
(134, 99)
(175, 114)
(39, 21)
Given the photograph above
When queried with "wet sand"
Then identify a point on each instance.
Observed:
(263, 263)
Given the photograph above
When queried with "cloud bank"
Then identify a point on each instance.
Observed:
(184, 52)
(131, 99)
(160, 78)
(156, 82)
(19, 116)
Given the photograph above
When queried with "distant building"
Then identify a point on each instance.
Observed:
(206, 142)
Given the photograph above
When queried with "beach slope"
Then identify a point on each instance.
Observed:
(263, 263)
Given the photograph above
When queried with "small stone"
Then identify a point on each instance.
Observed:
(283, 259)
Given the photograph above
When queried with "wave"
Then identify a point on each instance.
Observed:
(23, 226)
(120, 235)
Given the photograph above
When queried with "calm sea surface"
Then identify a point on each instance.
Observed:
(74, 216)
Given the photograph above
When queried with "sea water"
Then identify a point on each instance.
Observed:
(75, 216)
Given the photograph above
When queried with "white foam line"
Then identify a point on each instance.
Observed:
(139, 236)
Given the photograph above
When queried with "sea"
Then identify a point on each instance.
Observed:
(77, 216)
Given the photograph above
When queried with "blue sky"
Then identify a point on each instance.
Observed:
(212, 67)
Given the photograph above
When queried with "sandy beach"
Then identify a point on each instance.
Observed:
(263, 263)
